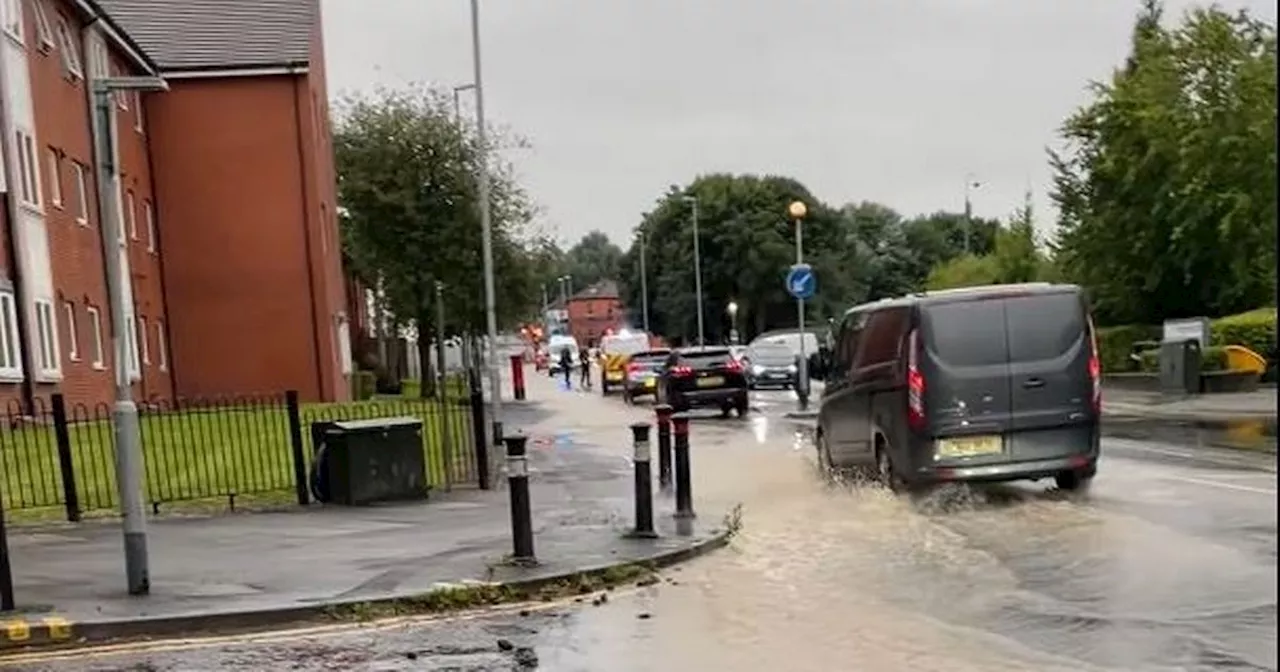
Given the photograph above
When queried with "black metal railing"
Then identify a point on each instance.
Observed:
(58, 459)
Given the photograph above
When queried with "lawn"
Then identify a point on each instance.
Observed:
(232, 454)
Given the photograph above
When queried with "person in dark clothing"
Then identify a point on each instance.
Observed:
(566, 366)
(585, 376)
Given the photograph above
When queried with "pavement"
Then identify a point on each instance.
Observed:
(1167, 563)
(252, 569)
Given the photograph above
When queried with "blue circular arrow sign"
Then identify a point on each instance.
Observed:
(801, 282)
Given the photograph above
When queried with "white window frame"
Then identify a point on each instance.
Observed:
(70, 51)
(135, 367)
(144, 340)
(149, 213)
(73, 333)
(99, 350)
(44, 30)
(162, 347)
(13, 21)
(101, 61)
(82, 192)
(10, 345)
(131, 213)
(28, 168)
(47, 335)
(137, 112)
(54, 167)
(122, 95)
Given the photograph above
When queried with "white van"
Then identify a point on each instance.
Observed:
(556, 344)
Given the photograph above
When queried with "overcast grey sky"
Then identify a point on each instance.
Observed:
(886, 100)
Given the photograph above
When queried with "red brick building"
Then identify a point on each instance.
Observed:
(226, 193)
(595, 310)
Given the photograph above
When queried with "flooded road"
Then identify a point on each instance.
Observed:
(1167, 564)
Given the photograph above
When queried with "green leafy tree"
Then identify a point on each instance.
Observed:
(592, 259)
(406, 182)
(1167, 184)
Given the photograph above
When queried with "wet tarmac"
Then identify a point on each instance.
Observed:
(1168, 563)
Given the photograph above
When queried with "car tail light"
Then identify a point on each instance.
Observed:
(733, 366)
(633, 368)
(1095, 368)
(915, 382)
(682, 371)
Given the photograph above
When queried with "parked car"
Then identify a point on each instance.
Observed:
(703, 376)
(993, 383)
(642, 374)
(771, 365)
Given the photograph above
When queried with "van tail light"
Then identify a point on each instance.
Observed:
(682, 371)
(1095, 368)
(915, 383)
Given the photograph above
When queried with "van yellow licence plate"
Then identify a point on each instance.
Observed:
(970, 446)
(613, 377)
(713, 381)
(650, 382)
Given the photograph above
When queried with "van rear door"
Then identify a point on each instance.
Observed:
(1049, 352)
(965, 365)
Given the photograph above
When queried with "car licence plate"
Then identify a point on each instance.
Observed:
(970, 446)
(650, 382)
(713, 381)
(614, 377)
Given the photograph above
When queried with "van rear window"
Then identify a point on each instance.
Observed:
(966, 333)
(1044, 326)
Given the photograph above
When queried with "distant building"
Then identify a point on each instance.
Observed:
(594, 311)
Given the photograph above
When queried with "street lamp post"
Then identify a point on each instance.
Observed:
(798, 210)
(457, 102)
(124, 414)
(697, 267)
(644, 283)
(486, 226)
(970, 183)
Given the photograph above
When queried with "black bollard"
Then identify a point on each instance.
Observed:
(664, 446)
(644, 481)
(684, 480)
(521, 516)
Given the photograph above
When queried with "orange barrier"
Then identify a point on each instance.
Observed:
(1240, 358)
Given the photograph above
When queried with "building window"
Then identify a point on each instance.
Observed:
(13, 20)
(143, 338)
(131, 214)
(162, 349)
(10, 357)
(137, 111)
(30, 175)
(44, 33)
(81, 184)
(47, 328)
(53, 164)
(149, 212)
(95, 322)
(70, 49)
(134, 368)
(73, 332)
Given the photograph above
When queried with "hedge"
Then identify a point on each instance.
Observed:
(1255, 330)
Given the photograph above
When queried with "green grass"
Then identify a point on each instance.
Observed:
(200, 459)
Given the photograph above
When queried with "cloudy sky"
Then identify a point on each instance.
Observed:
(894, 101)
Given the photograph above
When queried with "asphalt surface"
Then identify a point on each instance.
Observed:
(1168, 563)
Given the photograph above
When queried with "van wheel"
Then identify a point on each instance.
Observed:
(885, 472)
(825, 465)
(1073, 481)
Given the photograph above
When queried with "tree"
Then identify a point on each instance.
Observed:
(1166, 185)
(1016, 258)
(592, 259)
(406, 182)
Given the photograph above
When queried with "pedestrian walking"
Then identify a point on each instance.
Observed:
(566, 367)
(585, 375)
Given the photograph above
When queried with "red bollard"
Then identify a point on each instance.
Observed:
(517, 376)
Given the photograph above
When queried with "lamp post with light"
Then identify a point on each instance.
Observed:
(697, 266)
(732, 309)
(797, 210)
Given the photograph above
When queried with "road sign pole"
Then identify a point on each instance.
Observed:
(802, 386)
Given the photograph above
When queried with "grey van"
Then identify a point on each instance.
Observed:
(992, 383)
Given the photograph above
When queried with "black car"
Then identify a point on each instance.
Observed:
(703, 377)
(771, 365)
(993, 383)
(642, 374)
